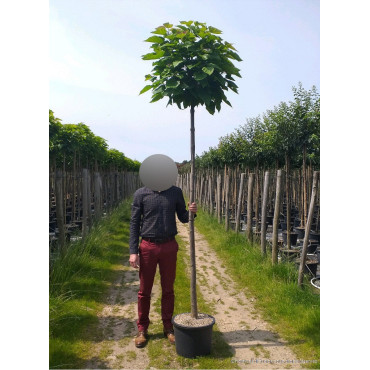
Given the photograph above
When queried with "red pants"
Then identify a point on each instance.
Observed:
(165, 255)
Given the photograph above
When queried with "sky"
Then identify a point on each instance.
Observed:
(96, 71)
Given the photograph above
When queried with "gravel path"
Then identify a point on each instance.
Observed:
(248, 335)
(242, 327)
(117, 325)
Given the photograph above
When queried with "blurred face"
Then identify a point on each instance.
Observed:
(158, 172)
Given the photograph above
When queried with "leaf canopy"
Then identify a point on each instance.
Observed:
(191, 65)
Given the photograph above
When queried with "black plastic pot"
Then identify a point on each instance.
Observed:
(284, 225)
(311, 267)
(193, 341)
(311, 248)
(314, 236)
(300, 231)
(293, 237)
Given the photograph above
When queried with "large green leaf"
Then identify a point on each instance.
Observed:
(161, 30)
(208, 69)
(145, 89)
(172, 83)
(199, 75)
(176, 63)
(156, 39)
(151, 56)
(214, 30)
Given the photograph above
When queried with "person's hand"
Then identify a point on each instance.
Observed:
(134, 260)
(193, 208)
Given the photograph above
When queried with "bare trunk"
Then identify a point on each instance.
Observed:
(288, 206)
(264, 212)
(308, 228)
(193, 283)
(276, 218)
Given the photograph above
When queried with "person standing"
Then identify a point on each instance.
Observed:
(153, 217)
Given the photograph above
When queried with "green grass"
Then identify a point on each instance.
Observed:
(162, 354)
(293, 312)
(78, 285)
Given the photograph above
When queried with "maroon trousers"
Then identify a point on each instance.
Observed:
(165, 255)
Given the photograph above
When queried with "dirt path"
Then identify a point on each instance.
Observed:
(248, 335)
(117, 326)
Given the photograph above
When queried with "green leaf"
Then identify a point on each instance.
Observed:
(161, 30)
(227, 102)
(209, 70)
(176, 63)
(156, 97)
(229, 46)
(148, 77)
(151, 56)
(156, 39)
(188, 23)
(172, 83)
(168, 25)
(211, 107)
(199, 75)
(214, 30)
(145, 89)
(233, 55)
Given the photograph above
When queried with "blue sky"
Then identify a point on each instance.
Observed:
(96, 70)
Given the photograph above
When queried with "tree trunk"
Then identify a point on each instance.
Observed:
(288, 206)
(239, 206)
(304, 187)
(276, 218)
(264, 212)
(308, 228)
(248, 229)
(227, 202)
(193, 282)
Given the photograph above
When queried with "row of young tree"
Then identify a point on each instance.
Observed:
(75, 146)
(289, 135)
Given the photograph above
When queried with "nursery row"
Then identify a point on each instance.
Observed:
(262, 206)
(77, 199)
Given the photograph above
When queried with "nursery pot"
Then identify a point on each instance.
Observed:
(314, 236)
(192, 341)
(293, 238)
(311, 248)
(300, 231)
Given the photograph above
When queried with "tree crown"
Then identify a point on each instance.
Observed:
(191, 66)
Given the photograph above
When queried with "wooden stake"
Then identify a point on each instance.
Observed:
(308, 227)
(227, 205)
(239, 206)
(248, 229)
(264, 212)
(276, 218)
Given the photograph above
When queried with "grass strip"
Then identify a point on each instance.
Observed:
(163, 355)
(292, 311)
(79, 282)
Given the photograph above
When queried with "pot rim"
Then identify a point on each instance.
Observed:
(193, 327)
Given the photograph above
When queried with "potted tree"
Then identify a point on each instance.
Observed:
(191, 67)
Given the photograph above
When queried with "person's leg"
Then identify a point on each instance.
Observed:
(167, 269)
(148, 264)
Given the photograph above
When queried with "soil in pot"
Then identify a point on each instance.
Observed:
(193, 336)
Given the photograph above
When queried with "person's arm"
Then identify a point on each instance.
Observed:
(136, 214)
(182, 213)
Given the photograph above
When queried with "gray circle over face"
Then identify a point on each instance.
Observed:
(158, 172)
